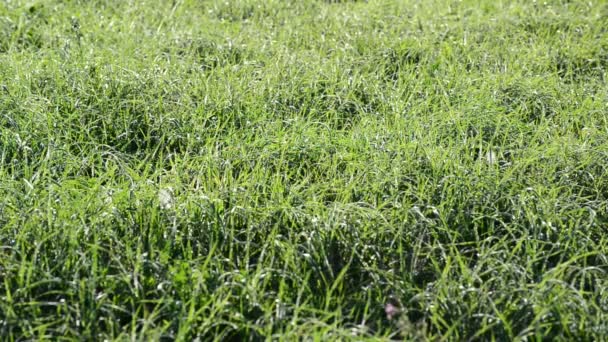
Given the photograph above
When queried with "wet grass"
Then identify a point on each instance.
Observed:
(331, 170)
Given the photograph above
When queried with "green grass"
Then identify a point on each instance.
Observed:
(288, 169)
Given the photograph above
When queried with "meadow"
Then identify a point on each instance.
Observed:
(303, 170)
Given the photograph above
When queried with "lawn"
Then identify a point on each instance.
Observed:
(303, 170)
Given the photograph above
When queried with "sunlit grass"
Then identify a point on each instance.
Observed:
(329, 170)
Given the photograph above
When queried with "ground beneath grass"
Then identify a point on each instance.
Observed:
(323, 170)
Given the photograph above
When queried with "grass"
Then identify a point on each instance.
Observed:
(318, 170)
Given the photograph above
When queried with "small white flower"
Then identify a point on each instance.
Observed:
(166, 199)
(491, 157)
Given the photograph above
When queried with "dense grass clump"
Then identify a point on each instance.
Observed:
(283, 169)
